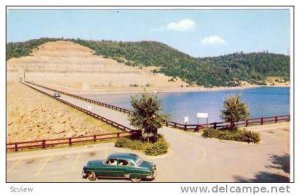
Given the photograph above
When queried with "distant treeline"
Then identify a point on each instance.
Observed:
(227, 70)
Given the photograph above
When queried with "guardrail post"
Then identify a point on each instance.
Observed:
(276, 119)
(215, 125)
(247, 123)
(16, 147)
(261, 121)
(167, 124)
(118, 135)
(95, 138)
(185, 127)
(197, 128)
(70, 141)
(43, 143)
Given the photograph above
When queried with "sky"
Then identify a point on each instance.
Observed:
(199, 33)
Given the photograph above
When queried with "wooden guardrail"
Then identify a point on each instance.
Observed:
(224, 125)
(16, 146)
(63, 141)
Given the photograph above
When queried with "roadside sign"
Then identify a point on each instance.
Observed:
(186, 119)
(202, 115)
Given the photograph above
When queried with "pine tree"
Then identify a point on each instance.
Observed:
(234, 110)
(147, 115)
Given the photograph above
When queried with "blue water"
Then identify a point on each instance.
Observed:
(262, 102)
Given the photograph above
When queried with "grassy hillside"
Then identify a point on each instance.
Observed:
(20, 49)
(228, 70)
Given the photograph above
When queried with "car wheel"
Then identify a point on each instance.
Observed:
(135, 179)
(154, 175)
(92, 176)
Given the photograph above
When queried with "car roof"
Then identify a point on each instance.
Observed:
(125, 156)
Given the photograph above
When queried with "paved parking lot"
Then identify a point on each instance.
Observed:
(191, 159)
(63, 165)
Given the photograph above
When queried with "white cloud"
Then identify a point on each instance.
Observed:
(181, 25)
(213, 40)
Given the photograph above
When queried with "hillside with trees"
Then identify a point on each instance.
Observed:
(20, 49)
(227, 70)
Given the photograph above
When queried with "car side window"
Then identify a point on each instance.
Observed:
(131, 164)
(123, 163)
(111, 162)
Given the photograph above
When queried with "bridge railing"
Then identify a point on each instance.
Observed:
(113, 107)
(106, 120)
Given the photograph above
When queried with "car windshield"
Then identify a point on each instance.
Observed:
(139, 161)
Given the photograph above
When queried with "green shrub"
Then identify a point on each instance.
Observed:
(120, 60)
(133, 85)
(157, 148)
(122, 143)
(128, 143)
(237, 135)
(249, 136)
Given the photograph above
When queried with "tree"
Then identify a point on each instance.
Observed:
(234, 110)
(147, 115)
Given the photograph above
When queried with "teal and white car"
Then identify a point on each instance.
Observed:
(120, 165)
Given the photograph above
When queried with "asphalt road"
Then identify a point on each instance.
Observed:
(191, 158)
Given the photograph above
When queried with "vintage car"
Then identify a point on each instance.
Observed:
(120, 165)
(56, 94)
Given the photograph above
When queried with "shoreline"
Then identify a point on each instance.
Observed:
(136, 90)
(115, 91)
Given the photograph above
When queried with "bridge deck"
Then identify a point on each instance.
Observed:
(113, 115)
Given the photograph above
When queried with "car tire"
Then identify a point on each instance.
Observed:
(153, 176)
(135, 179)
(92, 176)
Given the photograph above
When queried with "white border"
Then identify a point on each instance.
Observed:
(123, 188)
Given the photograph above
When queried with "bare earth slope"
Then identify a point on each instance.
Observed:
(74, 66)
(34, 116)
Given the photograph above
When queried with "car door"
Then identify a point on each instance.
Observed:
(131, 169)
(124, 168)
(110, 169)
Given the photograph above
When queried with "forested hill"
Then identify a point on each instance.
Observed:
(227, 70)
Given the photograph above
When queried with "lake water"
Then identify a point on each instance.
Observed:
(262, 102)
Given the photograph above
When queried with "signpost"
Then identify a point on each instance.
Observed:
(186, 120)
(202, 115)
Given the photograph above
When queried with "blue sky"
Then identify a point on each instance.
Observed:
(199, 33)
